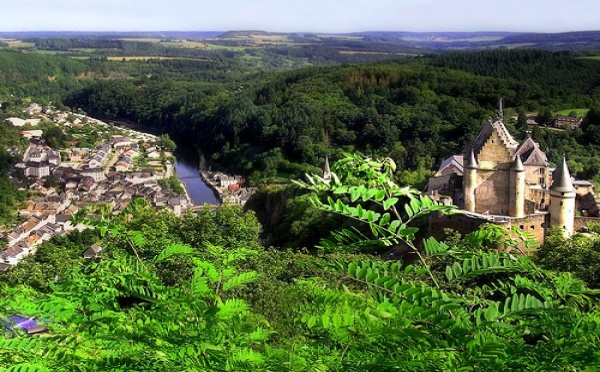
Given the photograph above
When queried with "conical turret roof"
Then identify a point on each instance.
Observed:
(471, 162)
(561, 179)
(517, 165)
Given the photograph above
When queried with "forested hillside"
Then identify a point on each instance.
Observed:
(199, 292)
(280, 125)
(570, 79)
(417, 111)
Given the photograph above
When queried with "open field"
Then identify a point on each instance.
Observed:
(145, 58)
(580, 112)
(224, 47)
(171, 43)
(260, 40)
(151, 40)
(351, 52)
(339, 37)
(18, 44)
(184, 44)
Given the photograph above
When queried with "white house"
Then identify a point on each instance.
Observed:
(37, 170)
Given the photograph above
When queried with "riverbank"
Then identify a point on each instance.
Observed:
(229, 189)
(185, 166)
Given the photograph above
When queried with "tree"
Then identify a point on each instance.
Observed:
(579, 255)
(54, 137)
(544, 116)
(117, 313)
(591, 127)
(166, 143)
(521, 120)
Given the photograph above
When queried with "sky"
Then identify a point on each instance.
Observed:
(301, 16)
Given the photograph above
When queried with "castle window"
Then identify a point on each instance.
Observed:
(542, 170)
(532, 227)
(561, 203)
(521, 227)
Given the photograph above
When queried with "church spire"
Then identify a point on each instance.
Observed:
(326, 170)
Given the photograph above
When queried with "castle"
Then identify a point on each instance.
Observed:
(502, 181)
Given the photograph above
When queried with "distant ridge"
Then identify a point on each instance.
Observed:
(382, 42)
(113, 34)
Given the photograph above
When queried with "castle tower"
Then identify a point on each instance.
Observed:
(562, 200)
(516, 207)
(470, 182)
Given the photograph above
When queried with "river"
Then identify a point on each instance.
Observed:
(186, 168)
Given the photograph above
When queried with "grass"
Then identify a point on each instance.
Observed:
(580, 112)
(184, 44)
(18, 44)
(145, 58)
(150, 40)
(224, 47)
(250, 57)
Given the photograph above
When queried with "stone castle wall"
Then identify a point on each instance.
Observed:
(580, 222)
(494, 154)
(492, 194)
(464, 224)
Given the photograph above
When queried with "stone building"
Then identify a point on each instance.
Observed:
(500, 180)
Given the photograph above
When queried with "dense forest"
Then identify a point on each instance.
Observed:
(301, 280)
(275, 126)
(417, 111)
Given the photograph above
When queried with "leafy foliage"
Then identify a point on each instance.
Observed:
(460, 306)
(118, 313)
(579, 255)
(483, 309)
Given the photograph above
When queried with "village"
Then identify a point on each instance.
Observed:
(123, 165)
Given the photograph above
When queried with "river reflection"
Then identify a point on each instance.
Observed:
(186, 168)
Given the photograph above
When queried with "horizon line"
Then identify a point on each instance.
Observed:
(291, 32)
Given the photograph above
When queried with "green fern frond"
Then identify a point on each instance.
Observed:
(173, 251)
(240, 280)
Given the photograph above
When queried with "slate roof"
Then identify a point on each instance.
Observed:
(453, 164)
(530, 153)
(561, 179)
